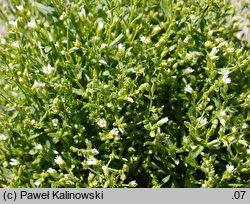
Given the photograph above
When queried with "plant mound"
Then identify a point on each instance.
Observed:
(122, 94)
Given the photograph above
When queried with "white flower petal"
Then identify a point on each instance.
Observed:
(59, 160)
(102, 123)
(32, 24)
(47, 69)
(38, 147)
(37, 183)
(50, 170)
(3, 137)
(14, 162)
(91, 161)
(188, 88)
(229, 167)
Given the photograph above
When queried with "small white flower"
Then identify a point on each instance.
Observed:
(129, 99)
(231, 50)
(57, 44)
(210, 32)
(48, 69)
(3, 41)
(248, 150)
(212, 54)
(100, 25)
(51, 171)
(206, 170)
(63, 16)
(15, 44)
(229, 167)
(59, 160)
(132, 184)
(202, 121)
(38, 84)
(55, 152)
(33, 122)
(5, 164)
(37, 183)
(223, 113)
(104, 168)
(204, 185)
(32, 24)
(165, 120)
(14, 162)
(189, 70)
(95, 151)
(114, 131)
(105, 86)
(102, 123)
(38, 147)
(224, 72)
(156, 28)
(82, 13)
(244, 126)
(162, 121)
(226, 80)
(144, 40)
(3, 137)
(46, 24)
(234, 129)
(188, 88)
(13, 23)
(103, 45)
(121, 47)
(214, 51)
(20, 7)
(55, 122)
(91, 161)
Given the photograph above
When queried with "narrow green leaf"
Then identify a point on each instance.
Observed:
(195, 152)
(47, 49)
(103, 62)
(73, 49)
(77, 91)
(35, 136)
(191, 161)
(202, 23)
(37, 161)
(137, 18)
(188, 125)
(215, 144)
(117, 40)
(183, 97)
(166, 6)
(46, 10)
(165, 180)
(106, 73)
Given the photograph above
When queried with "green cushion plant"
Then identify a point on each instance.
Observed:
(123, 93)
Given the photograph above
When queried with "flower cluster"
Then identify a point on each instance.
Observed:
(131, 94)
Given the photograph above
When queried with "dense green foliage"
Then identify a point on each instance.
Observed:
(123, 93)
